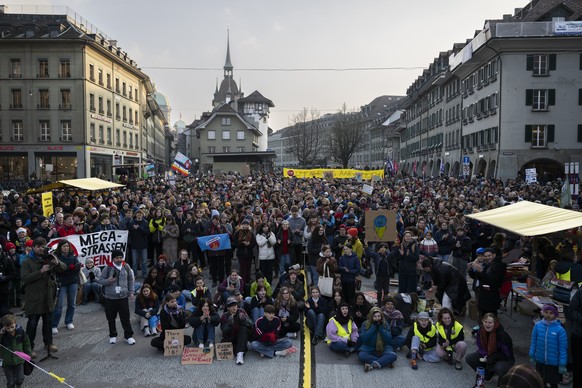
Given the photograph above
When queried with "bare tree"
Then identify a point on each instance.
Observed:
(347, 136)
(305, 140)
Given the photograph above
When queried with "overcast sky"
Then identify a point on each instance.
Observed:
(271, 38)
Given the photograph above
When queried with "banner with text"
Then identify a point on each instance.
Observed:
(215, 242)
(97, 246)
(327, 173)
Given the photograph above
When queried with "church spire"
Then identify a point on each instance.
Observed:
(227, 63)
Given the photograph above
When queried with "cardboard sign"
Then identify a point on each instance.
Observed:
(224, 351)
(197, 356)
(381, 225)
(174, 342)
(367, 189)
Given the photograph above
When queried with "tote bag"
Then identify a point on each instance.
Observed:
(326, 283)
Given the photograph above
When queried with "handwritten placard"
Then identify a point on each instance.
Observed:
(174, 342)
(224, 351)
(197, 356)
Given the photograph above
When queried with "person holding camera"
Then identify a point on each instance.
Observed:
(38, 275)
(118, 280)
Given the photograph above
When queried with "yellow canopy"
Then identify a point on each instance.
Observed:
(87, 184)
(530, 219)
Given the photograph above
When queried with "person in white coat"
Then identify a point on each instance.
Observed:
(266, 241)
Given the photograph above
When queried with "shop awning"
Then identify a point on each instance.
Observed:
(86, 184)
(530, 219)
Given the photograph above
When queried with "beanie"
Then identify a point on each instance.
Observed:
(353, 232)
(116, 253)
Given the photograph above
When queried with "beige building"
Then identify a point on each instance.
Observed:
(73, 104)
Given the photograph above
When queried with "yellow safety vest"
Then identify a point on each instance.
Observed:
(455, 331)
(431, 333)
(563, 276)
(341, 332)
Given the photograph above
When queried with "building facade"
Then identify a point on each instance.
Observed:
(507, 100)
(73, 104)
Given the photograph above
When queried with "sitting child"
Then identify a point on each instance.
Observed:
(395, 321)
(267, 341)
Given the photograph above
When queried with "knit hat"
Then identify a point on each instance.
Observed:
(10, 246)
(214, 212)
(28, 243)
(423, 315)
(230, 301)
(353, 232)
(116, 253)
(480, 251)
(20, 230)
(245, 222)
(551, 308)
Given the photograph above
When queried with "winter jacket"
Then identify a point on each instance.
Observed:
(150, 305)
(407, 261)
(549, 343)
(71, 274)
(8, 272)
(349, 268)
(231, 324)
(19, 343)
(123, 278)
(368, 336)
(445, 243)
(314, 249)
(242, 250)
(138, 236)
(40, 294)
(504, 346)
(448, 279)
(253, 290)
(213, 320)
(267, 331)
(296, 223)
(266, 244)
(493, 275)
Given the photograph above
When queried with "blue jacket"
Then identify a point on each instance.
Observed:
(368, 336)
(352, 263)
(549, 343)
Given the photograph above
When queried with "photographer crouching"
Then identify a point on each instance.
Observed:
(38, 275)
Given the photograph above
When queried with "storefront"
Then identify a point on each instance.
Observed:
(56, 167)
(14, 166)
(100, 166)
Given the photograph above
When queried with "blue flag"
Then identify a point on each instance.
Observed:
(215, 242)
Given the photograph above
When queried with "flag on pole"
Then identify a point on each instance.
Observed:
(566, 197)
(182, 164)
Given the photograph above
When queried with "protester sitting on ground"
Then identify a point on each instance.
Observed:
(152, 280)
(172, 279)
(288, 312)
(201, 291)
(230, 284)
(376, 350)
(395, 321)
(147, 305)
(360, 309)
(92, 274)
(266, 332)
(334, 302)
(494, 349)
(315, 315)
(172, 317)
(192, 274)
(259, 301)
(451, 345)
(422, 340)
(296, 287)
(260, 280)
(236, 325)
(342, 332)
(204, 321)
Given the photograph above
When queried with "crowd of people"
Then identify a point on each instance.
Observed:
(277, 228)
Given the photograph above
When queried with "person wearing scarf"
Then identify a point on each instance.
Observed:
(375, 350)
(451, 336)
(494, 349)
(395, 320)
(230, 284)
(342, 332)
(172, 317)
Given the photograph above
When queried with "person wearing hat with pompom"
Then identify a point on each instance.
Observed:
(549, 346)
(118, 280)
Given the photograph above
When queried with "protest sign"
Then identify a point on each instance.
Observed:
(381, 225)
(367, 189)
(224, 351)
(97, 246)
(174, 342)
(47, 204)
(197, 356)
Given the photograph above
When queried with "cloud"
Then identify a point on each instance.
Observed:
(277, 27)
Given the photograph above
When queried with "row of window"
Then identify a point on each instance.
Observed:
(121, 111)
(479, 109)
(481, 77)
(102, 137)
(453, 114)
(240, 135)
(452, 139)
(44, 131)
(42, 68)
(122, 87)
(485, 138)
(226, 149)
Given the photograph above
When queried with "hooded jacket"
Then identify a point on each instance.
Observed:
(123, 278)
(549, 343)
